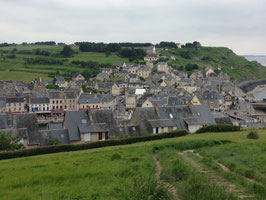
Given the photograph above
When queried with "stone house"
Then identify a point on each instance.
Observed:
(39, 105)
(151, 50)
(213, 99)
(151, 57)
(60, 82)
(62, 101)
(15, 104)
(132, 78)
(90, 126)
(119, 65)
(103, 76)
(96, 101)
(155, 120)
(77, 77)
(163, 67)
(144, 72)
(107, 70)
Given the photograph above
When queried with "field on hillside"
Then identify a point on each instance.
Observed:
(236, 66)
(17, 69)
(161, 169)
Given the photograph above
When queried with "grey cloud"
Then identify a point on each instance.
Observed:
(238, 24)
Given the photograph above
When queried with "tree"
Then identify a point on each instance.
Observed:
(8, 143)
(107, 53)
(53, 141)
(189, 67)
(67, 51)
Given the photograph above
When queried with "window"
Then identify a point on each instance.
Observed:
(57, 102)
(134, 128)
(53, 102)
(171, 116)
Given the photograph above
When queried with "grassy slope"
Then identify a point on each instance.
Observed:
(17, 66)
(92, 174)
(236, 66)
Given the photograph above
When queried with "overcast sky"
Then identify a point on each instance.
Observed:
(237, 24)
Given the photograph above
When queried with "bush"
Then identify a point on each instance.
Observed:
(99, 144)
(253, 135)
(145, 187)
(8, 142)
(218, 128)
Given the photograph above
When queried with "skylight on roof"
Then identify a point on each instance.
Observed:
(83, 121)
(171, 116)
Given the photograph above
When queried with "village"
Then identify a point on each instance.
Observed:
(147, 99)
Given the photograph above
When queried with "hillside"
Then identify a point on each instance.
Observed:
(236, 66)
(14, 65)
(224, 170)
(16, 68)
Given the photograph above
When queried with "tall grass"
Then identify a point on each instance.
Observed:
(190, 183)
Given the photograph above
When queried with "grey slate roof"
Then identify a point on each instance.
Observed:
(3, 121)
(72, 121)
(162, 123)
(119, 64)
(14, 100)
(2, 102)
(39, 100)
(168, 116)
(203, 114)
(62, 135)
(55, 126)
(26, 124)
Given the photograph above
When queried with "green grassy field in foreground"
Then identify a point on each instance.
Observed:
(128, 172)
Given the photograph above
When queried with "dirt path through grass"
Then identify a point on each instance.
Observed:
(158, 171)
(216, 179)
(226, 169)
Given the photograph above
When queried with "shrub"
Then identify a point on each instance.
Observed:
(253, 135)
(218, 128)
(145, 187)
(8, 142)
(99, 144)
(53, 141)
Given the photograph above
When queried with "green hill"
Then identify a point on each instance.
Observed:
(236, 66)
(13, 65)
(15, 68)
(130, 171)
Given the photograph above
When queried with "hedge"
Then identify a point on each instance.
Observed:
(218, 128)
(92, 145)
